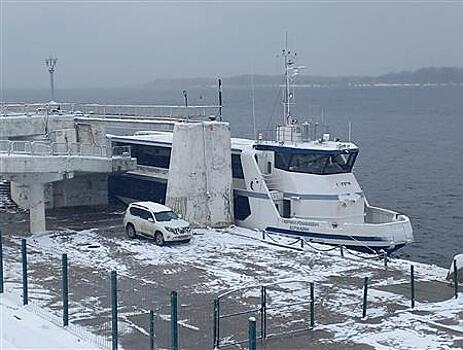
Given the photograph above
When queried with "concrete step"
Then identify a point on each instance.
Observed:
(5, 200)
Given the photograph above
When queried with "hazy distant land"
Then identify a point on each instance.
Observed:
(422, 76)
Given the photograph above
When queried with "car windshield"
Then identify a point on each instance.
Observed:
(165, 216)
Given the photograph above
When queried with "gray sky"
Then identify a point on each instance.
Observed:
(124, 43)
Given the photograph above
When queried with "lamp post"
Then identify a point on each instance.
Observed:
(51, 64)
(185, 96)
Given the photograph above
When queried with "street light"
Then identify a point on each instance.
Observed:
(51, 64)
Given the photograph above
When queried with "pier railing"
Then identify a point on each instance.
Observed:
(43, 148)
(109, 110)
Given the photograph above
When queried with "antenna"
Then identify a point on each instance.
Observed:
(253, 104)
(350, 131)
(286, 107)
(50, 62)
(220, 99)
(290, 72)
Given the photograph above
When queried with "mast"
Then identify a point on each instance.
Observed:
(290, 72)
(286, 107)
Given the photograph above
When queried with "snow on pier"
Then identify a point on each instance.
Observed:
(220, 260)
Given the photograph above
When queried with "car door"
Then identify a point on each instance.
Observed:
(136, 219)
(147, 222)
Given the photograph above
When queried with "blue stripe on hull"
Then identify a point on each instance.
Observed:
(323, 235)
(329, 239)
(389, 249)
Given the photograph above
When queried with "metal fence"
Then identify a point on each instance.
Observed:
(109, 308)
(43, 148)
(89, 109)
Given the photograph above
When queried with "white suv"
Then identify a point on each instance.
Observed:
(156, 221)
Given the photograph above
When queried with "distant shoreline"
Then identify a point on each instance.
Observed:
(424, 77)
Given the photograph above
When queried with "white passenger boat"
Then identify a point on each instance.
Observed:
(295, 185)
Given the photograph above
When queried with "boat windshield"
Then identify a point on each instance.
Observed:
(165, 216)
(320, 163)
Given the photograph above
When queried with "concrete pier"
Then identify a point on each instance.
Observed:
(200, 179)
(37, 207)
(32, 169)
(56, 155)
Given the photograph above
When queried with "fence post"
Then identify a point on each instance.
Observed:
(24, 264)
(113, 284)
(263, 312)
(1, 263)
(252, 333)
(365, 293)
(412, 285)
(174, 320)
(64, 263)
(455, 277)
(216, 335)
(151, 330)
(312, 305)
(385, 259)
(342, 251)
(302, 243)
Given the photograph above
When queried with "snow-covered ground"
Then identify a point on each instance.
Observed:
(217, 261)
(21, 328)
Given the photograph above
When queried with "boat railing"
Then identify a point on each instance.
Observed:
(266, 135)
(374, 215)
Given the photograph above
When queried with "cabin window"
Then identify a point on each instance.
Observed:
(269, 167)
(237, 168)
(156, 156)
(241, 207)
(320, 163)
(137, 188)
(286, 208)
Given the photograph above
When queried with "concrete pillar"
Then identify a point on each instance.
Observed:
(200, 179)
(37, 207)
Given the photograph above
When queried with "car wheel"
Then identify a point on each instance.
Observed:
(159, 238)
(131, 231)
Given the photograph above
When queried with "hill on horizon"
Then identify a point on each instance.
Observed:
(426, 75)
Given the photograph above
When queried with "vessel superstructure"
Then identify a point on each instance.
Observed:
(297, 183)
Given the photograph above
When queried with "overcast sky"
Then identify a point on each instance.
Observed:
(124, 43)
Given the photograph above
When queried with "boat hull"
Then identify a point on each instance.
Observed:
(365, 244)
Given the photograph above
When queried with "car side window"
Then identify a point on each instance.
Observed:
(145, 215)
(135, 211)
(141, 213)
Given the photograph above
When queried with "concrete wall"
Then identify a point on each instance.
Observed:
(81, 190)
(64, 136)
(84, 190)
(91, 133)
(200, 179)
(19, 194)
(23, 126)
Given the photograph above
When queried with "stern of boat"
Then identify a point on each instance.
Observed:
(390, 225)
